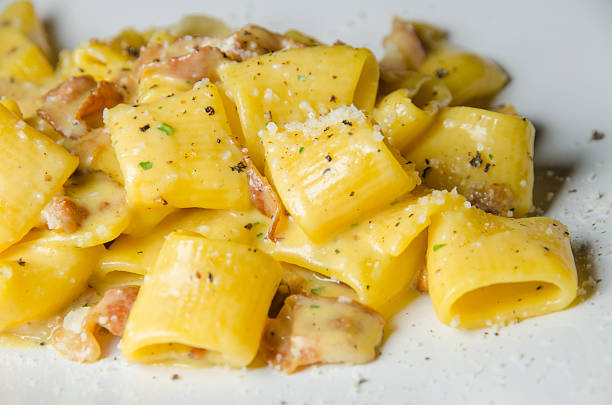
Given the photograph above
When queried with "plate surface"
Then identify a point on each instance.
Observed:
(559, 56)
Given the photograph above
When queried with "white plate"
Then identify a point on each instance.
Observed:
(560, 58)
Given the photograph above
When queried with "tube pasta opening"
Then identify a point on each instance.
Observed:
(505, 302)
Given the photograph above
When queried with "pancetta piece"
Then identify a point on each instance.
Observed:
(311, 329)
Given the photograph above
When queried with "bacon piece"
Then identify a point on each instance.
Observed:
(262, 194)
(187, 58)
(265, 198)
(63, 215)
(105, 95)
(496, 199)
(76, 339)
(69, 105)
(420, 283)
(253, 40)
(403, 48)
(311, 329)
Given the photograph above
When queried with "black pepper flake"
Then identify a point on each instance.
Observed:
(337, 251)
(108, 244)
(426, 171)
(133, 51)
(332, 99)
(539, 287)
(347, 122)
(597, 135)
(546, 248)
(476, 160)
(441, 72)
(487, 167)
(248, 226)
(329, 158)
(145, 128)
(326, 170)
(209, 110)
(239, 167)
(426, 161)
(218, 140)
(21, 262)
(210, 277)
(326, 129)
(572, 190)
(352, 194)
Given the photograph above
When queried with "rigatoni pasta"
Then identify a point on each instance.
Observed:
(214, 197)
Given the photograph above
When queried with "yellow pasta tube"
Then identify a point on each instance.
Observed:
(37, 280)
(100, 61)
(376, 277)
(34, 169)
(330, 171)
(137, 253)
(393, 229)
(400, 120)
(484, 269)
(202, 294)
(144, 220)
(488, 156)
(289, 85)
(470, 78)
(177, 152)
(22, 16)
(20, 58)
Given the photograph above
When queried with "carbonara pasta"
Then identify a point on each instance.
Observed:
(213, 196)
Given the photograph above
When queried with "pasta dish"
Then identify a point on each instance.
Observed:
(212, 196)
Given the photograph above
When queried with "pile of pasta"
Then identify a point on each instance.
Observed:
(216, 196)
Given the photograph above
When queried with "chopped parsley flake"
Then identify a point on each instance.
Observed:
(165, 128)
(354, 225)
(301, 149)
(317, 291)
(139, 252)
(392, 203)
(302, 78)
(146, 165)
(439, 246)
(314, 306)
(260, 234)
(490, 156)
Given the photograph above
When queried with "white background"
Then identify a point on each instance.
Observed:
(559, 55)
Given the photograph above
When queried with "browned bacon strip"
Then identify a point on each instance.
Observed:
(67, 106)
(111, 312)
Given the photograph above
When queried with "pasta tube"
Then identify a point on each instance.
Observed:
(31, 162)
(470, 287)
(488, 156)
(37, 280)
(177, 152)
(291, 84)
(330, 171)
(202, 294)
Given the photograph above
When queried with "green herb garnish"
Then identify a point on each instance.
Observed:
(146, 165)
(165, 128)
(302, 78)
(438, 247)
(317, 291)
